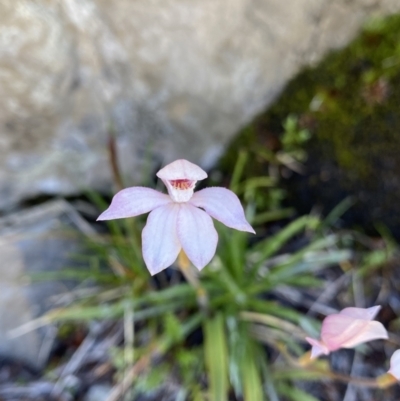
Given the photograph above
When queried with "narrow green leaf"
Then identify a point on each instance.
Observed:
(110, 311)
(251, 184)
(314, 260)
(271, 245)
(273, 215)
(238, 335)
(337, 212)
(252, 384)
(251, 372)
(238, 170)
(216, 358)
(276, 309)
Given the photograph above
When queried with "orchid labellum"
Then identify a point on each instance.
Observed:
(347, 329)
(181, 219)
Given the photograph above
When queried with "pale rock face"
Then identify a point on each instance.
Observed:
(175, 79)
(34, 242)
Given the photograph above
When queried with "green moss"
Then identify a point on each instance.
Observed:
(354, 90)
(351, 105)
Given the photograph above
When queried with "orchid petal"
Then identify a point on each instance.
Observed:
(341, 331)
(160, 240)
(395, 365)
(182, 169)
(318, 348)
(224, 206)
(361, 313)
(133, 201)
(197, 235)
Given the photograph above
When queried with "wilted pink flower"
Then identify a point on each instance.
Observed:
(347, 329)
(395, 365)
(176, 220)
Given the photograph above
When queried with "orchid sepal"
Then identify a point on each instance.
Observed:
(347, 329)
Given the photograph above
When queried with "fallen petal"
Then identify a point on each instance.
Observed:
(341, 331)
(134, 201)
(160, 241)
(395, 365)
(361, 313)
(224, 206)
(318, 348)
(197, 235)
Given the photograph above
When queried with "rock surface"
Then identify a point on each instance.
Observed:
(38, 240)
(173, 79)
(98, 392)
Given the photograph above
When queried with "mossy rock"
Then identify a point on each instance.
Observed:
(351, 104)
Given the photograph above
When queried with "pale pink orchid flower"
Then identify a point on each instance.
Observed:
(395, 365)
(177, 220)
(347, 329)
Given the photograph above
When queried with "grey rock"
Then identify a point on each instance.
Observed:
(173, 78)
(98, 392)
(39, 240)
(35, 391)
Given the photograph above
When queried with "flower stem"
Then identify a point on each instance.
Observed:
(379, 382)
(386, 380)
(305, 359)
(113, 155)
(311, 365)
(191, 277)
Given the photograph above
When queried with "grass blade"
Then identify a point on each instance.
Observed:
(252, 384)
(216, 357)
